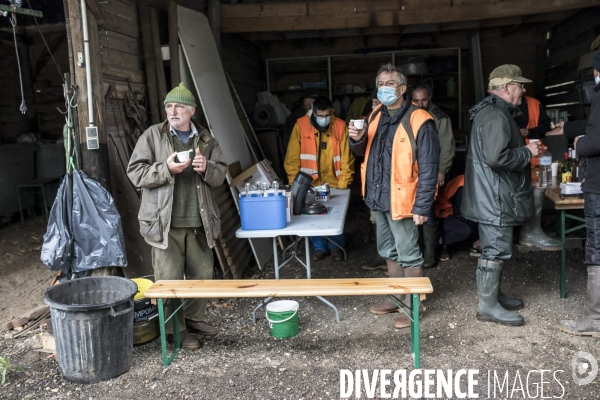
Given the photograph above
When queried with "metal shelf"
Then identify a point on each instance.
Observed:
(332, 71)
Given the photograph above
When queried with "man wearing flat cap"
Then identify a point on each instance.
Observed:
(178, 216)
(497, 192)
(587, 144)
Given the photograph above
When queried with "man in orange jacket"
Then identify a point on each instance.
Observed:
(399, 177)
(455, 227)
(533, 121)
(319, 147)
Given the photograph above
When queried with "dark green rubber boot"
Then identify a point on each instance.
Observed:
(488, 286)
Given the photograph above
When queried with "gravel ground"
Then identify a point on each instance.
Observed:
(245, 362)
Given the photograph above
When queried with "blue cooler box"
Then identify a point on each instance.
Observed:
(262, 213)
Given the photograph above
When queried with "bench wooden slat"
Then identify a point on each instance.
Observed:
(187, 289)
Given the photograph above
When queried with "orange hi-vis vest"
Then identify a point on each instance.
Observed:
(533, 109)
(309, 162)
(404, 174)
(443, 205)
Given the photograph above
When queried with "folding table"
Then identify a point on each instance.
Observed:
(331, 224)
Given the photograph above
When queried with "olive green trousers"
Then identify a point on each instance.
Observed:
(189, 256)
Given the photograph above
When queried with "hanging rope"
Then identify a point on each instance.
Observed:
(13, 22)
(71, 144)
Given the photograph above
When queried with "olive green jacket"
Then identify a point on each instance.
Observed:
(148, 171)
(445, 136)
(497, 187)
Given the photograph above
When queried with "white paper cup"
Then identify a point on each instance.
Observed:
(183, 156)
(554, 169)
(358, 123)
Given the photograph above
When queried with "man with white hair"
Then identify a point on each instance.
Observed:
(178, 216)
(497, 192)
(399, 177)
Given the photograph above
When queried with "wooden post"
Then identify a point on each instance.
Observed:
(159, 65)
(174, 44)
(93, 162)
(149, 65)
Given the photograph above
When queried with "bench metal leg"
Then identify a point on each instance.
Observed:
(413, 315)
(563, 254)
(176, 305)
(414, 331)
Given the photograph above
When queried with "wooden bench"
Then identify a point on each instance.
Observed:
(163, 291)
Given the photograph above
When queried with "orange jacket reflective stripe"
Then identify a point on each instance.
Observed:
(308, 146)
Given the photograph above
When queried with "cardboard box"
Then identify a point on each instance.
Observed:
(258, 173)
(570, 188)
(323, 192)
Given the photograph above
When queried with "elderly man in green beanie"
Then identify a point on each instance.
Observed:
(178, 216)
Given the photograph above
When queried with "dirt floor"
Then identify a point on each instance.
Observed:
(245, 362)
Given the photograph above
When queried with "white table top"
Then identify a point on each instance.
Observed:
(311, 225)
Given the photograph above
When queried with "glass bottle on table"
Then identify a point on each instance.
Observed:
(566, 174)
(574, 166)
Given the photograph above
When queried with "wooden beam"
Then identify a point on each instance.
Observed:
(93, 7)
(174, 44)
(149, 66)
(398, 30)
(341, 14)
(159, 65)
(94, 162)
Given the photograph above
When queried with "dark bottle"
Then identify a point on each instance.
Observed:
(566, 170)
(574, 166)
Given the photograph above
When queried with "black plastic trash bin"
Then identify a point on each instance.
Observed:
(93, 327)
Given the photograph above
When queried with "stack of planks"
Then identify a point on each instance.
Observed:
(234, 254)
(26, 322)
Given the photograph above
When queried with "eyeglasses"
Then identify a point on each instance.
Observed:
(521, 85)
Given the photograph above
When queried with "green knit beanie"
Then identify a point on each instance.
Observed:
(181, 95)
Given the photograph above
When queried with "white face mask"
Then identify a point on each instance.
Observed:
(597, 79)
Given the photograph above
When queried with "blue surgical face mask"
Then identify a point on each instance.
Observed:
(323, 121)
(387, 95)
(597, 79)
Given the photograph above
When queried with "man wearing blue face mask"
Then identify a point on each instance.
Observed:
(319, 146)
(399, 177)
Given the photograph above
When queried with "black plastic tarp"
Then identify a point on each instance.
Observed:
(84, 228)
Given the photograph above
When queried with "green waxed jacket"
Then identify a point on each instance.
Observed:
(443, 126)
(148, 171)
(497, 187)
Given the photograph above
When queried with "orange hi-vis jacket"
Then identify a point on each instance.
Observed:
(404, 174)
(533, 111)
(443, 205)
(309, 162)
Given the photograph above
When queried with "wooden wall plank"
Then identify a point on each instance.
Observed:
(361, 14)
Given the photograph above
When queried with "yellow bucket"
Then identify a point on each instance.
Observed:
(143, 284)
(145, 323)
